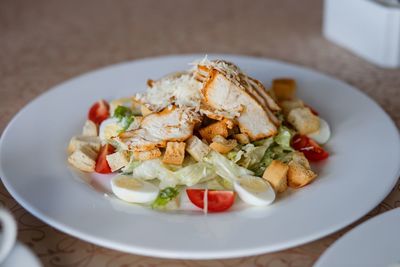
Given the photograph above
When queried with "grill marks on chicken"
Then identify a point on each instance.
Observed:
(216, 89)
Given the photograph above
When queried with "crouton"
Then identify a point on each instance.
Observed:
(276, 175)
(146, 155)
(222, 145)
(217, 128)
(145, 111)
(90, 129)
(289, 105)
(298, 175)
(284, 88)
(299, 158)
(303, 120)
(196, 148)
(242, 138)
(174, 153)
(117, 160)
(83, 158)
(78, 141)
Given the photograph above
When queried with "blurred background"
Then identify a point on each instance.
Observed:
(45, 42)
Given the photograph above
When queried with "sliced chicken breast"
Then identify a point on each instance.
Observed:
(223, 95)
(156, 129)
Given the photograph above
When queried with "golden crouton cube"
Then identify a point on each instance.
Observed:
(197, 148)
(299, 176)
(303, 120)
(90, 129)
(78, 141)
(299, 158)
(216, 128)
(117, 160)
(276, 175)
(289, 105)
(242, 138)
(284, 88)
(145, 111)
(147, 155)
(221, 145)
(83, 158)
(174, 153)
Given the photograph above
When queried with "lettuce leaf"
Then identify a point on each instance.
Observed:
(164, 197)
(224, 167)
(124, 116)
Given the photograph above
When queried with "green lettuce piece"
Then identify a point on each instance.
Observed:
(284, 137)
(124, 116)
(164, 197)
(195, 173)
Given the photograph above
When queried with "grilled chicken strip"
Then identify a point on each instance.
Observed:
(221, 94)
(156, 129)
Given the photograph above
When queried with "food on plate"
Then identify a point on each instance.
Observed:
(211, 134)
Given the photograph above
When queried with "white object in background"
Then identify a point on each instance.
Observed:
(370, 29)
(8, 234)
(373, 243)
(22, 256)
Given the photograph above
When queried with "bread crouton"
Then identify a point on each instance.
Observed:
(196, 148)
(284, 88)
(276, 175)
(174, 153)
(217, 128)
(78, 141)
(298, 175)
(83, 158)
(90, 129)
(303, 120)
(147, 155)
(299, 158)
(117, 160)
(222, 145)
(145, 111)
(289, 105)
(242, 138)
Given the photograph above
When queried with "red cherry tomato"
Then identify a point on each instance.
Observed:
(99, 111)
(313, 111)
(101, 162)
(309, 147)
(218, 200)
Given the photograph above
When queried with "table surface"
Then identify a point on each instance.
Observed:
(43, 43)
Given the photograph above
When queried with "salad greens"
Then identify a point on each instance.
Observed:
(124, 116)
(164, 197)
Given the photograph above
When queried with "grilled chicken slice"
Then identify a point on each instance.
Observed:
(252, 86)
(222, 94)
(156, 129)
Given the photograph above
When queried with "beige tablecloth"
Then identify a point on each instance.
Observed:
(43, 43)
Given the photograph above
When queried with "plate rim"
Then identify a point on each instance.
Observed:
(162, 253)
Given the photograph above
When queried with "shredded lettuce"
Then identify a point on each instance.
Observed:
(195, 173)
(284, 137)
(224, 167)
(258, 155)
(164, 197)
(188, 175)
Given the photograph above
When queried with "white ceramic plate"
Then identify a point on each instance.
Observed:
(363, 167)
(376, 242)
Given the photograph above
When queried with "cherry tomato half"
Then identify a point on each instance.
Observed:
(218, 200)
(101, 162)
(99, 111)
(309, 147)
